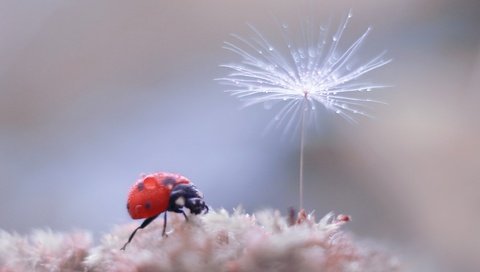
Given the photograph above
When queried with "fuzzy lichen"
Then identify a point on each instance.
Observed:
(217, 241)
(220, 241)
(44, 250)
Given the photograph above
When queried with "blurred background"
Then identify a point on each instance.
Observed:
(93, 93)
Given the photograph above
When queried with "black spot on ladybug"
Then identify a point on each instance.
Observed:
(148, 206)
(168, 181)
(128, 207)
(140, 186)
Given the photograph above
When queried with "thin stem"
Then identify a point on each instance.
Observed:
(302, 144)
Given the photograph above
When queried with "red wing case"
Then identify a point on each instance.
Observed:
(149, 196)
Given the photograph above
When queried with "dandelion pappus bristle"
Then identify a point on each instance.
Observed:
(303, 76)
(315, 70)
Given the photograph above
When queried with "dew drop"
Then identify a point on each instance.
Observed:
(150, 183)
(334, 38)
(338, 111)
(301, 53)
(270, 48)
(295, 57)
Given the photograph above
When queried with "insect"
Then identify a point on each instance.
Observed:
(160, 192)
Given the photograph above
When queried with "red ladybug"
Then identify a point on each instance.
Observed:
(160, 192)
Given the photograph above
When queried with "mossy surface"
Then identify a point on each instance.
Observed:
(217, 241)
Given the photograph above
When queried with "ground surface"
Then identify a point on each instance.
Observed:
(217, 241)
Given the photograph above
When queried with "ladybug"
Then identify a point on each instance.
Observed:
(160, 192)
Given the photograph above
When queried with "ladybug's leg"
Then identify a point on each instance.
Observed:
(179, 209)
(185, 215)
(177, 200)
(164, 223)
(143, 225)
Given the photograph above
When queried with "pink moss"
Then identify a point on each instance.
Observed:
(218, 241)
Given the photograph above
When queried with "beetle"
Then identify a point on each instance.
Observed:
(160, 192)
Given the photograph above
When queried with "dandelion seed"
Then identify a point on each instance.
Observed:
(307, 74)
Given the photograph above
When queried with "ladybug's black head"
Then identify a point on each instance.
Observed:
(187, 195)
(196, 205)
